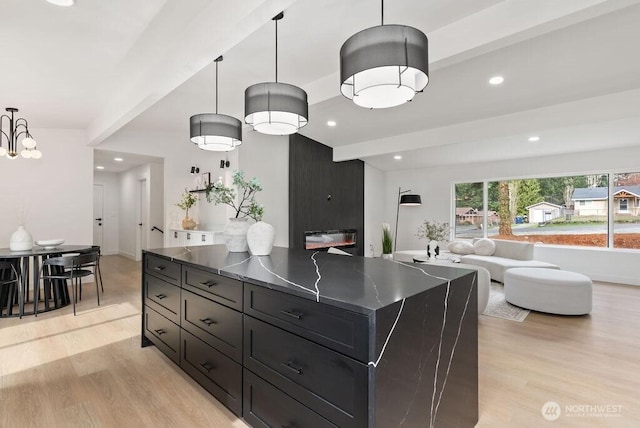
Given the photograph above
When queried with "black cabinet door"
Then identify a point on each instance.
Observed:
(162, 268)
(338, 329)
(331, 384)
(217, 325)
(266, 406)
(216, 372)
(163, 333)
(162, 297)
(221, 289)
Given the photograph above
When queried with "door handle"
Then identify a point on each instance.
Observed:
(99, 219)
(139, 224)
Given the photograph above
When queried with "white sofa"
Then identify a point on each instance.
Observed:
(484, 279)
(508, 254)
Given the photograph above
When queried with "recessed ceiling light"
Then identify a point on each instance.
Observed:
(63, 3)
(534, 138)
(496, 80)
(331, 123)
(99, 167)
(397, 157)
(118, 159)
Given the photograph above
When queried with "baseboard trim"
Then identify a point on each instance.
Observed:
(128, 255)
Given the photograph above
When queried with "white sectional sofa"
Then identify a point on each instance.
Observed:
(507, 255)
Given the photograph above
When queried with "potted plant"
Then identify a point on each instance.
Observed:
(188, 200)
(387, 242)
(242, 200)
(436, 233)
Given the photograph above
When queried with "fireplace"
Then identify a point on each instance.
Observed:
(324, 239)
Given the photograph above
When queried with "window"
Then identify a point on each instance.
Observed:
(569, 210)
(626, 216)
(623, 205)
(468, 210)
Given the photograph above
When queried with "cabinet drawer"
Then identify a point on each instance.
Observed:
(266, 406)
(217, 373)
(162, 268)
(332, 384)
(163, 333)
(163, 297)
(213, 323)
(341, 330)
(215, 287)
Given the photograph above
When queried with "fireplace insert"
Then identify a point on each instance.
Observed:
(324, 239)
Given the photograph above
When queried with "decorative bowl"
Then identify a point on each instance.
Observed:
(49, 243)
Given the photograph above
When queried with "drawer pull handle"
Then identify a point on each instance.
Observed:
(159, 268)
(208, 321)
(210, 283)
(161, 296)
(291, 313)
(291, 367)
(208, 367)
(160, 331)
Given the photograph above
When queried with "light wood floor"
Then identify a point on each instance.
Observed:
(64, 371)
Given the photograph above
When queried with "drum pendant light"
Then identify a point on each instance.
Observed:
(275, 108)
(384, 66)
(213, 131)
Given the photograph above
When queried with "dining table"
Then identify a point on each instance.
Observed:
(56, 294)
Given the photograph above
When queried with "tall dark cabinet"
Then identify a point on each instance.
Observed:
(323, 194)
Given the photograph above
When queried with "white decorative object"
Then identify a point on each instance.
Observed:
(49, 243)
(235, 235)
(461, 247)
(484, 247)
(260, 238)
(21, 240)
(387, 256)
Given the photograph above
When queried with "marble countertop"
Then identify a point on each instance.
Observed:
(355, 283)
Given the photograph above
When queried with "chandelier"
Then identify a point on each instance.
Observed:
(17, 128)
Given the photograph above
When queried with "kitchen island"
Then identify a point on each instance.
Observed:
(310, 339)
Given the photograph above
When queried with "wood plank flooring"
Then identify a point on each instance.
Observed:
(89, 371)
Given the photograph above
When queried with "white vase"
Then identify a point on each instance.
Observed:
(260, 238)
(387, 256)
(235, 235)
(21, 240)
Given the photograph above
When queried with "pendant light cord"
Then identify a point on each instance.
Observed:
(382, 12)
(276, 51)
(216, 86)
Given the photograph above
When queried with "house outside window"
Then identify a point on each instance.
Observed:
(623, 205)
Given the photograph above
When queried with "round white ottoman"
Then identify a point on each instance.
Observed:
(548, 290)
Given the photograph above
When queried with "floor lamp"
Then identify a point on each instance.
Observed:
(405, 200)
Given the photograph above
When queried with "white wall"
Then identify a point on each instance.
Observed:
(56, 191)
(435, 186)
(110, 210)
(179, 155)
(375, 211)
(267, 158)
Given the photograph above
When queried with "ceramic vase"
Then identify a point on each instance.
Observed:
(235, 235)
(260, 238)
(21, 240)
(188, 223)
(387, 256)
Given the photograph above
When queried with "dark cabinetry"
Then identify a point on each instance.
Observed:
(380, 345)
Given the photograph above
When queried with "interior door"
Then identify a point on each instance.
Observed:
(142, 218)
(98, 218)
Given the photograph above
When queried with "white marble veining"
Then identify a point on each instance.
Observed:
(316, 293)
(386, 342)
(235, 264)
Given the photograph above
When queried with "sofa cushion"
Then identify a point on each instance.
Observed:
(513, 249)
(461, 247)
(484, 247)
(498, 265)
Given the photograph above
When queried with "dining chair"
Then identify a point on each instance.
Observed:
(95, 249)
(72, 269)
(9, 288)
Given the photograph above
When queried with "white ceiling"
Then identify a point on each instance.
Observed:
(572, 73)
